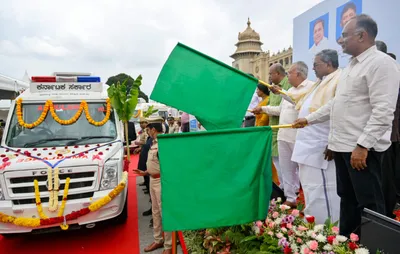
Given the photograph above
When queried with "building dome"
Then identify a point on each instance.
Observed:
(249, 33)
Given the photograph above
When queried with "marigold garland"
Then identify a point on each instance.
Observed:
(50, 107)
(33, 223)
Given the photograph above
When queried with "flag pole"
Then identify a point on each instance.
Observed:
(270, 86)
(174, 245)
(282, 126)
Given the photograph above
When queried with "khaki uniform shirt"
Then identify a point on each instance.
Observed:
(153, 164)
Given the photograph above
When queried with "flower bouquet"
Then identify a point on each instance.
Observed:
(301, 235)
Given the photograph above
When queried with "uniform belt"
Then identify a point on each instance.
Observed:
(155, 176)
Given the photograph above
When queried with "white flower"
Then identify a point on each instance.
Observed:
(319, 227)
(335, 242)
(256, 230)
(361, 251)
(328, 247)
(341, 238)
(279, 235)
(284, 207)
(279, 200)
(321, 238)
(294, 247)
(278, 221)
(310, 233)
(284, 230)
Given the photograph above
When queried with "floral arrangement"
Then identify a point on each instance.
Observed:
(283, 231)
(50, 107)
(61, 220)
(299, 235)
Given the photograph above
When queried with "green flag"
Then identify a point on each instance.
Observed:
(215, 93)
(215, 178)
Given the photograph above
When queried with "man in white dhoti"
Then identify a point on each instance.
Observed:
(297, 77)
(317, 174)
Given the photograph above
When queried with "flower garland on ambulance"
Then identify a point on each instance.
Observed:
(49, 106)
(35, 222)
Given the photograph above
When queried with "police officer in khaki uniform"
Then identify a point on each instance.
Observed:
(153, 169)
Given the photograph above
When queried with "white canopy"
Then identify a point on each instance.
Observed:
(12, 84)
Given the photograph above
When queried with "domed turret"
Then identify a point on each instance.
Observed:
(249, 33)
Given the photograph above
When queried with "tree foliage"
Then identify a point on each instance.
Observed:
(122, 77)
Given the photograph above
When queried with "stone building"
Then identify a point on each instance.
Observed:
(250, 58)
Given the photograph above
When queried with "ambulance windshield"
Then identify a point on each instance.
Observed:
(52, 134)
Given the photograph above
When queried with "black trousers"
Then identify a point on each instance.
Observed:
(391, 178)
(250, 122)
(358, 190)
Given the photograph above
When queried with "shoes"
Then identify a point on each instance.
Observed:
(291, 204)
(169, 251)
(147, 213)
(154, 246)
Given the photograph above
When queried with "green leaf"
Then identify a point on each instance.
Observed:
(328, 223)
(249, 238)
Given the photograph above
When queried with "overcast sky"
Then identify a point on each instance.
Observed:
(135, 37)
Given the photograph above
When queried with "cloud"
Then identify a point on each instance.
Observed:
(136, 37)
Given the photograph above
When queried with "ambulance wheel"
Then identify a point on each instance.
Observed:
(123, 217)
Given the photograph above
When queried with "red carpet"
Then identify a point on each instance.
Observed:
(105, 239)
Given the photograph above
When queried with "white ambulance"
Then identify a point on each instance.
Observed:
(85, 148)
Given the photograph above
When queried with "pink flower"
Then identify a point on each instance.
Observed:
(354, 237)
(271, 225)
(313, 245)
(302, 228)
(335, 230)
(289, 226)
(311, 252)
(279, 235)
(284, 230)
(275, 215)
(259, 224)
(295, 212)
(298, 240)
(306, 250)
(270, 233)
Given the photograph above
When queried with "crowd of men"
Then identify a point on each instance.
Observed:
(344, 148)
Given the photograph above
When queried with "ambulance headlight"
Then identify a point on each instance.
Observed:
(109, 179)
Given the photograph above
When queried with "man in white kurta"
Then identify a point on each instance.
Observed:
(297, 76)
(317, 174)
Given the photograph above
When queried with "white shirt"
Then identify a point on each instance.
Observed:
(287, 112)
(323, 44)
(311, 141)
(255, 100)
(362, 110)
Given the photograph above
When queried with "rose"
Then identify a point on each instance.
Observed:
(310, 219)
(335, 230)
(270, 233)
(330, 239)
(279, 235)
(271, 225)
(306, 250)
(287, 250)
(295, 212)
(275, 215)
(354, 237)
(313, 245)
(259, 224)
(289, 226)
(298, 240)
(352, 246)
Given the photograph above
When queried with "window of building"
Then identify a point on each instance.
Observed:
(286, 60)
(281, 62)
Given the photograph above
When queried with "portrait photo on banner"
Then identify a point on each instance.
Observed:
(344, 13)
(319, 34)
